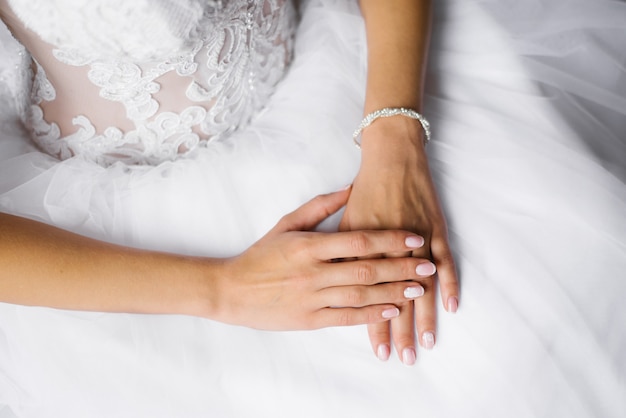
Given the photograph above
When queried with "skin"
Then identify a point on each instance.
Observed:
(393, 188)
(285, 281)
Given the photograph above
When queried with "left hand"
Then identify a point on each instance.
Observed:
(393, 190)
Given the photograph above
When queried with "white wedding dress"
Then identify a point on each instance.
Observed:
(251, 116)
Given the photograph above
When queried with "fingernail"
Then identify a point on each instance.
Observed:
(408, 356)
(426, 269)
(413, 292)
(391, 313)
(414, 241)
(383, 352)
(453, 304)
(428, 340)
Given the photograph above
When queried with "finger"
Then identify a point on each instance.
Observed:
(403, 332)
(309, 215)
(424, 250)
(446, 273)
(380, 338)
(338, 317)
(363, 243)
(359, 296)
(373, 271)
(398, 254)
(426, 316)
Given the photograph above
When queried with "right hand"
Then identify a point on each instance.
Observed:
(288, 280)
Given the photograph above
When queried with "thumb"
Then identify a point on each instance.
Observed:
(309, 215)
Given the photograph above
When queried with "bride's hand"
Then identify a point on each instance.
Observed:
(394, 190)
(287, 280)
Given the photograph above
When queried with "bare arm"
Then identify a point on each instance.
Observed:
(398, 33)
(284, 281)
(47, 266)
(393, 188)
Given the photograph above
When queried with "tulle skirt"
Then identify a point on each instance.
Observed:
(527, 101)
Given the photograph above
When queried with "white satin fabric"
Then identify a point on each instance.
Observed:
(526, 101)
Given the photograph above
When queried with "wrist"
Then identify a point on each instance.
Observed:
(393, 141)
(200, 292)
(401, 123)
(181, 285)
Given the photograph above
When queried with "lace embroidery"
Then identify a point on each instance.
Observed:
(42, 89)
(231, 61)
(47, 133)
(168, 135)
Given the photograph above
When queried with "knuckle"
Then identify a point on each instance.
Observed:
(360, 243)
(302, 280)
(404, 337)
(319, 202)
(405, 340)
(378, 332)
(365, 273)
(302, 244)
(355, 296)
(344, 318)
(441, 250)
(286, 221)
(445, 258)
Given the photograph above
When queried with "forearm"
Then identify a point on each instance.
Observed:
(45, 266)
(398, 33)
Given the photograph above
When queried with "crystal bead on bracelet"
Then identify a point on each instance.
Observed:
(387, 112)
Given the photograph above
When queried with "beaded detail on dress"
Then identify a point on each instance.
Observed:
(173, 74)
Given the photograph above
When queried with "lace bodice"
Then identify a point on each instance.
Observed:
(145, 81)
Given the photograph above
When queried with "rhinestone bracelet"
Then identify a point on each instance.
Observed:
(387, 112)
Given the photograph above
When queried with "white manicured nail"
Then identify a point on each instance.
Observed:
(413, 292)
(391, 313)
(383, 352)
(453, 304)
(426, 269)
(414, 242)
(408, 356)
(428, 340)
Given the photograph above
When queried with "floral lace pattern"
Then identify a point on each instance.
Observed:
(232, 55)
